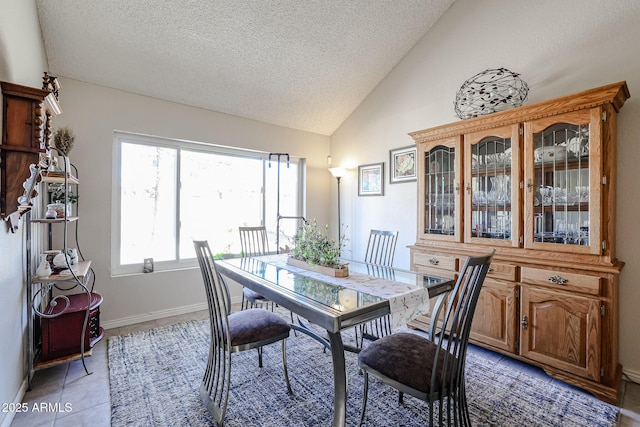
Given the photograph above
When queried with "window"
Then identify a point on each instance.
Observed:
(169, 192)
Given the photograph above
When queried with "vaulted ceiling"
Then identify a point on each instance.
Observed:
(303, 64)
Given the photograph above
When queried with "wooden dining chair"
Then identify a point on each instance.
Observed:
(232, 333)
(253, 242)
(381, 249)
(432, 371)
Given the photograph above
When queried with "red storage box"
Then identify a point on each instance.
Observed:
(61, 335)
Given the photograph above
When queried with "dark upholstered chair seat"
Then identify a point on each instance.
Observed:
(254, 325)
(403, 357)
(252, 295)
(432, 371)
(246, 330)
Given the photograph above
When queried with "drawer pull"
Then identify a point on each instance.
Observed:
(558, 279)
(525, 323)
(434, 261)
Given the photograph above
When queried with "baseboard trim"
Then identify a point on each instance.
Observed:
(176, 311)
(131, 320)
(6, 421)
(631, 374)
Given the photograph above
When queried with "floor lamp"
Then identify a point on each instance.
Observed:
(338, 173)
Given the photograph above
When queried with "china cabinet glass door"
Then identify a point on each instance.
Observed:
(492, 177)
(440, 190)
(563, 178)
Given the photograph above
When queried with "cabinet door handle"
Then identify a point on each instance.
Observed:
(525, 323)
(468, 188)
(457, 188)
(434, 261)
(557, 279)
(529, 185)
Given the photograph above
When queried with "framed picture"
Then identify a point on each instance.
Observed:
(403, 165)
(371, 180)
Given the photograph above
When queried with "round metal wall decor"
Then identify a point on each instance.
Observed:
(490, 91)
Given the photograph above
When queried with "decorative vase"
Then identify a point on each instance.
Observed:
(44, 269)
(51, 213)
(343, 271)
(500, 191)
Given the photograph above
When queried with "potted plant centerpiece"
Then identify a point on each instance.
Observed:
(313, 250)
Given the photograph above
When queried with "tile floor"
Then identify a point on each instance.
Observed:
(87, 396)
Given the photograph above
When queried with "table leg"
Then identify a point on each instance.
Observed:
(339, 378)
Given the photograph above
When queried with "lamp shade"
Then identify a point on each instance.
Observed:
(338, 172)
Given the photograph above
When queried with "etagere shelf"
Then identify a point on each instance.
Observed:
(62, 325)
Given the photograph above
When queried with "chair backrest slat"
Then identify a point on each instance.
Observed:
(381, 247)
(253, 241)
(217, 375)
(452, 342)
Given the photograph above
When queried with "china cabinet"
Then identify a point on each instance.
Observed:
(538, 184)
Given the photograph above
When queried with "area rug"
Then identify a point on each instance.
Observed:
(155, 378)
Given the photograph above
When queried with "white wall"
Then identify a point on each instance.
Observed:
(559, 48)
(22, 61)
(94, 112)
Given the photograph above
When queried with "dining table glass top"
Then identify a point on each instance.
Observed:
(367, 284)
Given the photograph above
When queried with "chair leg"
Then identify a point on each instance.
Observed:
(400, 397)
(465, 418)
(365, 393)
(430, 412)
(284, 366)
(259, 357)
(295, 333)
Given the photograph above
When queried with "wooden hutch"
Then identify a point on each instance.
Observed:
(538, 184)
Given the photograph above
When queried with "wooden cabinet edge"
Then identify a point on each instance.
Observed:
(27, 150)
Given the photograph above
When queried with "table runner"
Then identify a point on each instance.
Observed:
(406, 301)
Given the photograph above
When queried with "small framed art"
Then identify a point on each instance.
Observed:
(371, 180)
(403, 166)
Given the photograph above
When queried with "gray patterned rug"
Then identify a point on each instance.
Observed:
(155, 377)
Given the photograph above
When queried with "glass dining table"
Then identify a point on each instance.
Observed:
(335, 304)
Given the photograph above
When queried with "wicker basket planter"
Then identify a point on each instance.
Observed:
(342, 271)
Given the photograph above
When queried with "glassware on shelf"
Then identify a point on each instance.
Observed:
(447, 224)
(546, 193)
(583, 193)
(499, 191)
(479, 197)
(560, 195)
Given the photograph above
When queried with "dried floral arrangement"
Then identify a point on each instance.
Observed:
(63, 140)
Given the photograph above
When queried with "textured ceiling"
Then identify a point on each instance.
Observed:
(303, 64)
